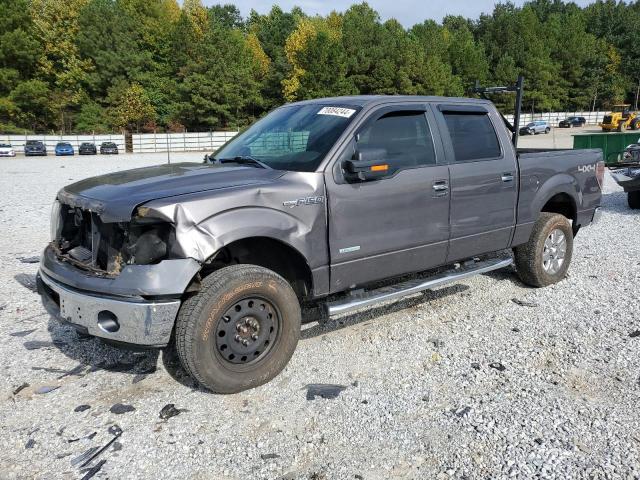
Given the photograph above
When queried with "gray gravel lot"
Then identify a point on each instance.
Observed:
(461, 382)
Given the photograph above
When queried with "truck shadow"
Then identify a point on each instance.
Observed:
(92, 354)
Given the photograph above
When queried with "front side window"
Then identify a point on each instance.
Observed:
(472, 135)
(295, 137)
(404, 136)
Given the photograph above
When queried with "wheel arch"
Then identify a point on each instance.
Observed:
(268, 252)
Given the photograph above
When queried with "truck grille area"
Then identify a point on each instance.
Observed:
(85, 241)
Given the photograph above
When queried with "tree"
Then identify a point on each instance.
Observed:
(132, 108)
(318, 60)
(56, 27)
(219, 86)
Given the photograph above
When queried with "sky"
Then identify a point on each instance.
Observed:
(408, 12)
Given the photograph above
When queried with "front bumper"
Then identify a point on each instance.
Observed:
(119, 319)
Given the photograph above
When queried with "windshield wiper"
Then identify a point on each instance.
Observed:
(245, 160)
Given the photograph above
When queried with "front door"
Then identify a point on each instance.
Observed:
(398, 222)
(484, 180)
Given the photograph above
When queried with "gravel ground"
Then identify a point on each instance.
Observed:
(461, 382)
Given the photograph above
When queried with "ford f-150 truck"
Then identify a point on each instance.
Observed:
(321, 204)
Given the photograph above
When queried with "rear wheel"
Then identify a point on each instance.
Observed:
(547, 130)
(633, 198)
(635, 125)
(545, 258)
(240, 330)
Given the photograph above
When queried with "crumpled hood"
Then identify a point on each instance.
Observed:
(114, 196)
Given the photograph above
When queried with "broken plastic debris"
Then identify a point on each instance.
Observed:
(22, 333)
(269, 456)
(46, 389)
(170, 410)
(84, 459)
(20, 388)
(90, 472)
(36, 344)
(80, 459)
(29, 259)
(120, 408)
(498, 366)
(323, 390)
(524, 303)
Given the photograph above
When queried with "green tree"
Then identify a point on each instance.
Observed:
(132, 108)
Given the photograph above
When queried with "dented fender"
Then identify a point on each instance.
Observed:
(205, 222)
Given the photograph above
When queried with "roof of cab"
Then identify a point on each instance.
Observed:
(369, 100)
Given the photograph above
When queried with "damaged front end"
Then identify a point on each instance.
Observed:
(81, 238)
(120, 281)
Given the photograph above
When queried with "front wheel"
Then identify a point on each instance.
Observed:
(545, 258)
(547, 130)
(633, 198)
(240, 330)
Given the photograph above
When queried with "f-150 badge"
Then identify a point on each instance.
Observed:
(303, 201)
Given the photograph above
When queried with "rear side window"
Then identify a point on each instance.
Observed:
(406, 137)
(472, 135)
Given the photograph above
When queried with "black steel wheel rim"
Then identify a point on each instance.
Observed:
(247, 331)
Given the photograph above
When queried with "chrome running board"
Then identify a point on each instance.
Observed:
(399, 290)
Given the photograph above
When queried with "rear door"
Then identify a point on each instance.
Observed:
(398, 223)
(483, 179)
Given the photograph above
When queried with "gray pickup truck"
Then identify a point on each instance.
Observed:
(318, 206)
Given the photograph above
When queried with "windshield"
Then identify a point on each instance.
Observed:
(295, 137)
(64, 144)
(4, 145)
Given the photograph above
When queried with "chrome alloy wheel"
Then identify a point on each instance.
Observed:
(555, 248)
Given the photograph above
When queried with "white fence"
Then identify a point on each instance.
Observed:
(180, 142)
(18, 141)
(592, 118)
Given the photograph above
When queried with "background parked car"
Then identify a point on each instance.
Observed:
(87, 148)
(34, 147)
(571, 122)
(108, 148)
(631, 153)
(536, 127)
(64, 148)
(7, 150)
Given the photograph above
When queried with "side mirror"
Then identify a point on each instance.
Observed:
(367, 164)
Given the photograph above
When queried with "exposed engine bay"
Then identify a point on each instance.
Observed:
(80, 237)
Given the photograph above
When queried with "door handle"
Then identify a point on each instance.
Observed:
(507, 177)
(440, 188)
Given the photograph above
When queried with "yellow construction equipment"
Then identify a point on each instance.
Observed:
(620, 119)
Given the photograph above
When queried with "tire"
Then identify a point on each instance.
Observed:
(529, 257)
(635, 125)
(620, 127)
(633, 198)
(208, 345)
(547, 130)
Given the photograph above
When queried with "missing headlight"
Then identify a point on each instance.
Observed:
(149, 243)
(149, 248)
